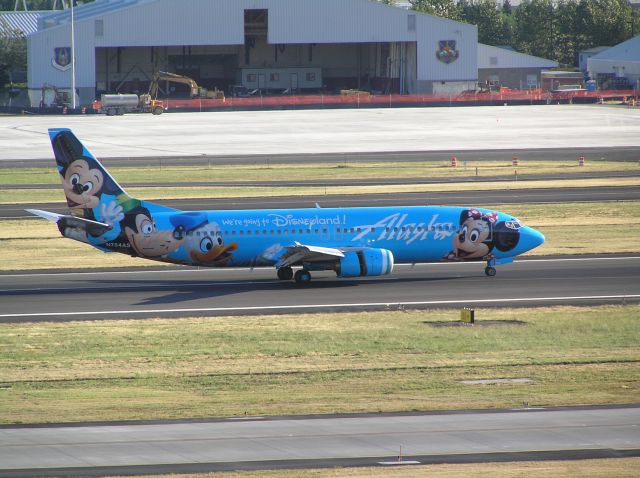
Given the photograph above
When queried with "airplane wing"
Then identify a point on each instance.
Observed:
(298, 253)
(94, 228)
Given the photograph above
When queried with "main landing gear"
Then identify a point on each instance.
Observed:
(301, 276)
(285, 273)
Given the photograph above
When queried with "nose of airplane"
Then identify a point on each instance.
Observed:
(531, 238)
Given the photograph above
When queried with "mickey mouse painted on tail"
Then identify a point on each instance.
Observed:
(481, 234)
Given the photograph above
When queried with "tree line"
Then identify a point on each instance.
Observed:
(553, 29)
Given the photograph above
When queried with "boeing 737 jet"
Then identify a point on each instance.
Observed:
(352, 242)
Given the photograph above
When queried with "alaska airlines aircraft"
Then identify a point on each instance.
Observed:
(353, 242)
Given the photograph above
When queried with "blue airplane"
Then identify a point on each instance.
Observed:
(352, 242)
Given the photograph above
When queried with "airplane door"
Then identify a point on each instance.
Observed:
(294, 82)
(262, 82)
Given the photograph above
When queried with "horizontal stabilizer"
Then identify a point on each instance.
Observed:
(93, 228)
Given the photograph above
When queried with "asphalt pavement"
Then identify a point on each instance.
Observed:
(384, 440)
(180, 292)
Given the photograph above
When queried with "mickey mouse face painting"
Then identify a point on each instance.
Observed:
(481, 233)
(82, 184)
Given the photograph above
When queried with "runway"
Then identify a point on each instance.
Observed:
(187, 292)
(461, 197)
(320, 441)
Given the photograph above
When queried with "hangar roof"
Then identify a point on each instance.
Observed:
(493, 57)
(628, 51)
(221, 22)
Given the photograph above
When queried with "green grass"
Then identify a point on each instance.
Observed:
(569, 229)
(301, 364)
(264, 171)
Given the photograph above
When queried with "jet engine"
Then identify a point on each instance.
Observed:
(367, 262)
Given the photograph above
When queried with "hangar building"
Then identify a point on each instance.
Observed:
(504, 67)
(264, 44)
(617, 67)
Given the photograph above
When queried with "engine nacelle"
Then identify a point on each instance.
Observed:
(368, 262)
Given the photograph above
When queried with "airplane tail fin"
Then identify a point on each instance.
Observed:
(87, 184)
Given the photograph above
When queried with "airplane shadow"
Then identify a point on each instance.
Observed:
(189, 292)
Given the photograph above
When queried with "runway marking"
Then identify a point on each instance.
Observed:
(143, 270)
(230, 310)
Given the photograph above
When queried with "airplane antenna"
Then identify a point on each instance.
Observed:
(318, 206)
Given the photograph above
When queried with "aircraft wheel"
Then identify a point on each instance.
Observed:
(302, 277)
(157, 110)
(490, 271)
(285, 273)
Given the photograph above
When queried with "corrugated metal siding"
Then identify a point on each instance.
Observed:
(431, 31)
(503, 58)
(26, 22)
(335, 21)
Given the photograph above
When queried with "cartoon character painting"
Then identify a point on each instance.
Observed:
(480, 234)
(144, 237)
(204, 243)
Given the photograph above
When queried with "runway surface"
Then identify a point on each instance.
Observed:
(196, 292)
(375, 440)
(462, 198)
(294, 132)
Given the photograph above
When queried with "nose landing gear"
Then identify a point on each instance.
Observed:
(490, 271)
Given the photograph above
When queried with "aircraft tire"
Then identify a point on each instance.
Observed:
(302, 277)
(490, 271)
(285, 273)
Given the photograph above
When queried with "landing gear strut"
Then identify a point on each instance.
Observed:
(285, 273)
(302, 277)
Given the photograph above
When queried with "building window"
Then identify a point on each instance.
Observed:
(411, 23)
(311, 77)
(274, 77)
(99, 27)
(251, 78)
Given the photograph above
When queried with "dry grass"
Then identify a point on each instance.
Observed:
(264, 170)
(612, 468)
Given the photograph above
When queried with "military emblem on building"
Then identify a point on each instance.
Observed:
(61, 58)
(447, 52)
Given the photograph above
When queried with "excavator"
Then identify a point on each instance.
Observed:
(195, 90)
(60, 98)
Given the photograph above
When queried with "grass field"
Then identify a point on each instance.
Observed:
(304, 171)
(569, 229)
(614, 468)
(306, 364)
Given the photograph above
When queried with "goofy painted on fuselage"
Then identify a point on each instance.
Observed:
(353, 242)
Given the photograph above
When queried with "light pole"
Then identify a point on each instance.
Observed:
(73, 60)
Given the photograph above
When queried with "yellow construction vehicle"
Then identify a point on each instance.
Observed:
(195, 90)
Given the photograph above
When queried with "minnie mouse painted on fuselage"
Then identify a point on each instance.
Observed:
(480, 233)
